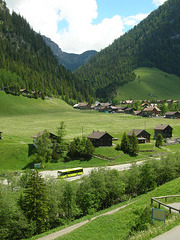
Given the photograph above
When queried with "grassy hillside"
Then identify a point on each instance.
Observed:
(151, 83)
(21, 118)
(118, 225)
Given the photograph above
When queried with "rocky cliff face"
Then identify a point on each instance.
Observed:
(70, 61)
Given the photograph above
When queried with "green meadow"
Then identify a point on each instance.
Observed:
(151, 83)
(21, 118)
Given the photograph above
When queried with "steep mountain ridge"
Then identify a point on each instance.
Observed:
(155, 42)
(70, 61)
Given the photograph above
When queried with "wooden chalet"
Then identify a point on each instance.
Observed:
(164, 130)
(102, 107)
(82, 106)
(137, 113)
(100, 139)
(52, 136)
(142, 135)
(151, 111)
(172, 115)
(113, 108)
(129, 110)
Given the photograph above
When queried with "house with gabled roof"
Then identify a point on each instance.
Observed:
(172, 115)
(151, 111)
(100, 139)
(129, 110)
(102, 107)
(137, 113)
(142, 135)
(164, 130)
(82, 106)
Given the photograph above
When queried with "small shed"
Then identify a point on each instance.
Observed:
(164, 130)
(142, 135)
(1, 137)
(100, 139)
(52, 136)
(173, 115)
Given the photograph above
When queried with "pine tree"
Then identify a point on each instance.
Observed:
(159, 140)
(125, 146)
(134, 147)
(34, 202)
(44, 147)
(61, 132)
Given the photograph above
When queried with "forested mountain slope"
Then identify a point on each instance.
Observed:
(27, 62)
(70, 61)
(155, 42)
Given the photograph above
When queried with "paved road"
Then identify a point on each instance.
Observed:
(173, 234)
(88, 170)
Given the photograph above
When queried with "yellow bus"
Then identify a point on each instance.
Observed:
(65, 173)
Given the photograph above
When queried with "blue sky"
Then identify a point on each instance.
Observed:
(80, 25)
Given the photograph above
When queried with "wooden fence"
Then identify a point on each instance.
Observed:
(165, 197)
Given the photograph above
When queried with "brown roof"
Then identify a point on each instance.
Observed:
(136, 131)
(41, 133)
(171, 113)
(105, 104)
(81, 104)
(97, 135)
(162, 127)
(149, 109)
(128, 109)
(137, 112)
(113, 107)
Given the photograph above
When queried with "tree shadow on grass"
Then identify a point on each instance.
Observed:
(31, 152)
(31, 149)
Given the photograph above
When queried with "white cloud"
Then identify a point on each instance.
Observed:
(79, 34)
(134, 20)
(158, 2)
(46, 15)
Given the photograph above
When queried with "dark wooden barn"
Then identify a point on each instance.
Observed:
(142, 135)
(164, 130)
(172, 115)
(100, 139)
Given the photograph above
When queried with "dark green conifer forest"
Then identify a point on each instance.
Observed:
(27, 63)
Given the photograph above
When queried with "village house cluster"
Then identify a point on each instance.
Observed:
(148, 109)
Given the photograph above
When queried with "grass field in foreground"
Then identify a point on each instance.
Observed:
(151, 83)
(21, 118)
